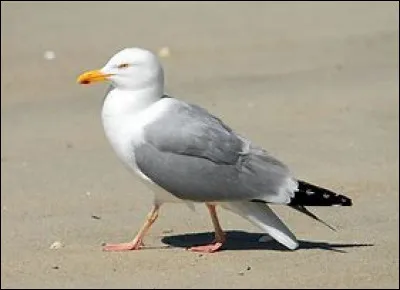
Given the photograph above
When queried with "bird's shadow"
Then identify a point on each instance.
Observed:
(240, 240)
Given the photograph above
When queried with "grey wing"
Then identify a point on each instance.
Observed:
(190, 130)
(196, 157)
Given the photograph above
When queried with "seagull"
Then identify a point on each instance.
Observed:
(185, 154)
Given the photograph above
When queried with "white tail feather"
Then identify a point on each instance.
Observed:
(262, 216)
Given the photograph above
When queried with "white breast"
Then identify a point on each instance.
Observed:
(124, 117)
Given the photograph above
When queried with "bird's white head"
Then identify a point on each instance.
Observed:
(130, 69)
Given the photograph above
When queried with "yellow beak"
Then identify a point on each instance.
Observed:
(92, 76)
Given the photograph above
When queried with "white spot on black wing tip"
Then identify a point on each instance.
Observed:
(309, 192)
(325, 195)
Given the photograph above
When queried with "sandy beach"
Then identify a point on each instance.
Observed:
(316, 84)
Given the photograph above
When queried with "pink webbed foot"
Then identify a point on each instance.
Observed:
(123, 247)
(211, 248)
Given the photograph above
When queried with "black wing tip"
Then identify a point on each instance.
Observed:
(304, 210)
(313, 195)
(345, 201)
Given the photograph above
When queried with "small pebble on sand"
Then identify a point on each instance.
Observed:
(56, 245)
(49, 55)
(164, 52)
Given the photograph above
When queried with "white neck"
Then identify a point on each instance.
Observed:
(119, 103)
(122, 116)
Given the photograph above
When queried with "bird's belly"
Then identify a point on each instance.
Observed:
(160, 194)
(123, 145)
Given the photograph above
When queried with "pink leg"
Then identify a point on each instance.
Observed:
(219, 234)
(137, 242)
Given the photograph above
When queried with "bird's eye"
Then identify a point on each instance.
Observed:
(123, 65)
